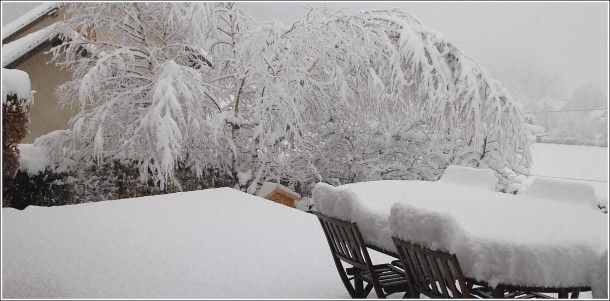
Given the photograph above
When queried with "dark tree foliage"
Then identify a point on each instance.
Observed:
(15, 120)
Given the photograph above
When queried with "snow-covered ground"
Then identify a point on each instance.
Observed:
(217, 243)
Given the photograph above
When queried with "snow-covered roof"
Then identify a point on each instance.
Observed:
(27, 18)
(16, 49)
(268, 187)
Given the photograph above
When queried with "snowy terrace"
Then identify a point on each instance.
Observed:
(217, 243)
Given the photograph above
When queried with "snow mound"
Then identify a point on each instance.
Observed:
(16, 82)
(305, 204)
(347, 202)
(562, 191)
(472, 177)
(192, 245)
(426, 228)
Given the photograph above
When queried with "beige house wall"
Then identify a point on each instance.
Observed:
(46, 114)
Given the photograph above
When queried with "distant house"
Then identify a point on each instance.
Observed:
(25, 42)
(279, 194)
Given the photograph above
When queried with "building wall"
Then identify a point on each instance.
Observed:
(46, 115)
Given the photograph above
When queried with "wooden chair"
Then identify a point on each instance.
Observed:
(346, 245)
(437, 274)
(523, 292)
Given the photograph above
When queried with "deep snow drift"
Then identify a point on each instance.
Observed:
(217, 243)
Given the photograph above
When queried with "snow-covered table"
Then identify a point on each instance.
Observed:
(521, 240)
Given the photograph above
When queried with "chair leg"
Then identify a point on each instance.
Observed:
(562, 295)
(410, 293)
(358, 285)
(343, 274)
(497, 292)
(367, 290)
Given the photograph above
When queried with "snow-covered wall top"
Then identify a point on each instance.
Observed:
(27, 18)
(562, 191)
(15, 49)
(191, 245)
(482, 178)
(16, 82)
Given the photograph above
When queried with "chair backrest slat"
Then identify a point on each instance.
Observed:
(346, 244)
(439, 276)
(430, 281)
(432, 273)
(413, 264)
(337, 237)
(449, 278)
(352, 244)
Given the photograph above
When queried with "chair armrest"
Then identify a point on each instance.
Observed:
(398, 264)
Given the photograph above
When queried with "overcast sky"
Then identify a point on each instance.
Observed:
(567, 38)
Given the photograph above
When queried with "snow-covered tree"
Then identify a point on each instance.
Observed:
(402, 101)
(138, 82)
(336, 97)
(582, 120)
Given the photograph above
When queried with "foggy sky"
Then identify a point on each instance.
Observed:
(567, 38)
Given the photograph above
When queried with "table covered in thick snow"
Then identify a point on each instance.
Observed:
(528, 239)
